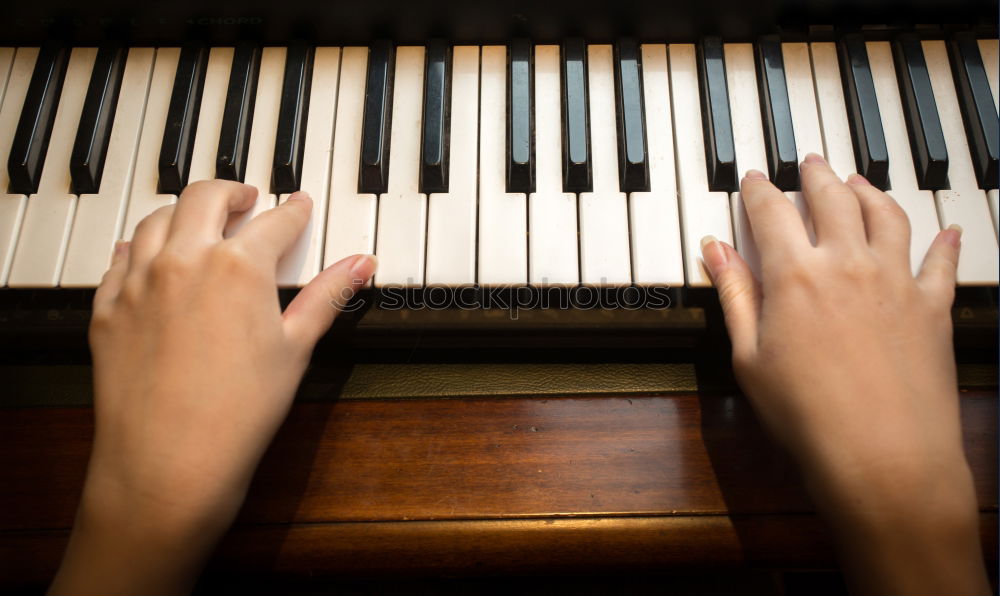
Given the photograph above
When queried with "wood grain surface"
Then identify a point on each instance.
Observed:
(470, 485)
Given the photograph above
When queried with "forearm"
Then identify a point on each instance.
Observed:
(907, 531)
(119, 546)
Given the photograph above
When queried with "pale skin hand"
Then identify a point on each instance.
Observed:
(845, 356)
(847, 359)
(195, 367)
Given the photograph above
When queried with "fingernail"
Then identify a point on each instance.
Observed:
(363, 268)
(714, 254)
(755, 175)
(858, 179)
(953, 235)
(299, 196)
(121, 247)
(814, 158)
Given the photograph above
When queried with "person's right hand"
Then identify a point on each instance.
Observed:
(848, 361)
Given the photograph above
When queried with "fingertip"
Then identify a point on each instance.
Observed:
(249, 195)
(300, 195)
(953, 236)
(814, 158)
(754, 175)
(714, 255)
(363, 268)
(858, 180)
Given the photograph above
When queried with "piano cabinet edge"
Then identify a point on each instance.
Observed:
(311, 553)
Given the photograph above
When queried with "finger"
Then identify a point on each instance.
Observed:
(273, 233)
(739, 293)
(203, 209)
(886, 224)
(776, 224)
(833, 206)
(149, 237)
(312, 312)
(937, 274)
(111, 283)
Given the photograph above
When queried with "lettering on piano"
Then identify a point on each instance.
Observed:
(509, 299)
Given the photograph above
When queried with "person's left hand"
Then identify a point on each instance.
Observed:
(195, 368)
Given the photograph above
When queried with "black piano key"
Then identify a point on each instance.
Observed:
(720, 151)
(520, 118)
(374, 174)
(862, 111)
(34, 128)
(182, 119)
(289, 144)
(94, 131)
(930, 154)
(237, 118)
(633, 163)
(776, 113)
(436, 118)
(976, 100)
(577, 175)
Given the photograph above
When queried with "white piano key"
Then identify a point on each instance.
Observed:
(503, 225)
(748, 137)
(657, 256)
(805, 116)
(12, 205)
(144, 197)
(703, 212)
(552, 214)
(837, 144)
(965, 204)
(6, 61)
(802, 99)
(41, 246)
(304, 260)
(992, 196)
(213, 104)
(99, 217)
(401, 232)
(605, 258)
(350, 224)
(989, 49)
(918, 204)
(451, 216)
(260, 154)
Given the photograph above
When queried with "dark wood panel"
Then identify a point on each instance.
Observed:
(487, 547)
(477, 459)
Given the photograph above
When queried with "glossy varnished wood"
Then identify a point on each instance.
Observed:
(483, 484)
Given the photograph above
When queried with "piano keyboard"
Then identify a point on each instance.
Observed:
(540, 165)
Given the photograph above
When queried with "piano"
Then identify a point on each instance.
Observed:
(537, 380)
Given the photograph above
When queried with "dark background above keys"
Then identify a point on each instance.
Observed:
(493, 21)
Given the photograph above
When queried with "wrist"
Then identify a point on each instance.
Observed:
(124, 543)
(937, 489)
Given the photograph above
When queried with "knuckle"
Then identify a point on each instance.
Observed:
(168, 267)
(891, 208)
(132, 293)
(100, 320)
(861, 268)
(730, 291)
(232, 258)
(792, 273)
(834, 189)
(207, 186)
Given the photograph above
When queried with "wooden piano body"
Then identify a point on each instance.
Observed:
(442, 448)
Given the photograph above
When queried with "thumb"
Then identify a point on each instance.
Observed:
(315, 307)
(739, 292)
(937, 274)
